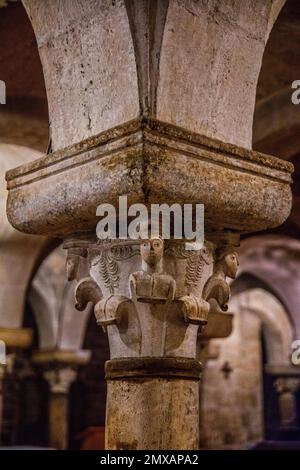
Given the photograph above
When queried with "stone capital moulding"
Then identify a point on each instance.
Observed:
(151, 162)
(154, 297)
(52, 357)
(17, 338)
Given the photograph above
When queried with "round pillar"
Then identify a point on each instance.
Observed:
(148, 399)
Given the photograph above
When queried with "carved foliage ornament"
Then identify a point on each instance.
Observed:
(152, 284)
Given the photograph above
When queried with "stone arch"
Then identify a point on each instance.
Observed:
(232, 396)
(275, 260)
(19, 252)
(88, 61)
(223, 86)
(51, 297)
(24, 118)
(226, 84)
(274, 321)
(23, 136)
(276, 120)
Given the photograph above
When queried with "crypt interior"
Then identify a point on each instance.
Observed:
(164, 101)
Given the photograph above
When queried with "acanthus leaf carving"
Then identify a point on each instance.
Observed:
(195, 265)
(147, 294)
(108, 268)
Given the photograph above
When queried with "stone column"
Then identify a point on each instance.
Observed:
(60, 369)
(286, 388)
(2, 374)
(59, 380)
(148, 399)
(286, 383)
(143, 134)
(152, 297)
(14, 339)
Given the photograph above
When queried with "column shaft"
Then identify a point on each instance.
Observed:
(149, 400)
(58, 421)
(2, 375)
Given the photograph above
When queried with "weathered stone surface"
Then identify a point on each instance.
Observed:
(60, 370)
(107, 62)
(152, 297)
(144, 412)
(152, 308)
(151, 162)
(17, 337)
(18, 252)
(232, 406)
(217, 87)
(60, 326)
(153, 300)
(89, 67)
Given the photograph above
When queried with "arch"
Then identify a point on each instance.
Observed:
(224, 71)
(87, 42)
(51, 297)
(24, 118)
(276, 120)
(86, 50)
(231, 404)
(18, 252)
(23, 135)
(274, 321)
(275, 260)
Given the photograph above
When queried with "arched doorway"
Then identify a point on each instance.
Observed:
(232, 398)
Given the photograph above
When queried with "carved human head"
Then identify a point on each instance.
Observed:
(152, 251)
(230, 264)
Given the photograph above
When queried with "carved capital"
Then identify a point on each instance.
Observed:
(60, 367)
(60, 379)
(153, 296)
(288, 385)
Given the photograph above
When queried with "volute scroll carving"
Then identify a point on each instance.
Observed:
(86, 290)
(152, 296)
